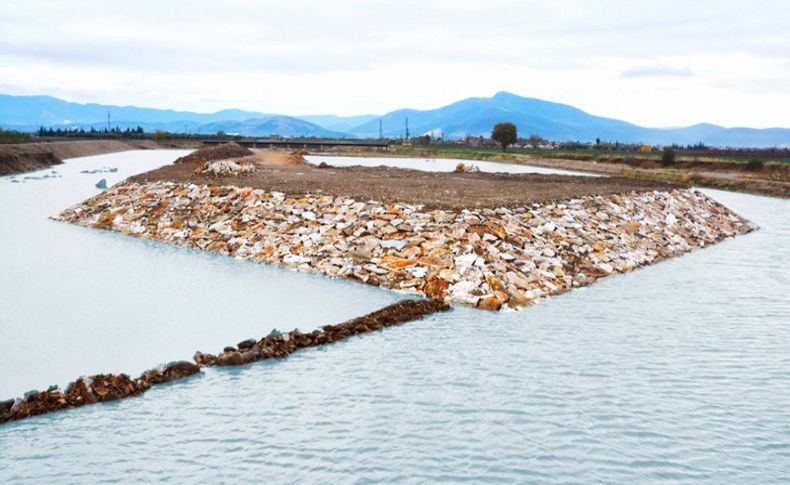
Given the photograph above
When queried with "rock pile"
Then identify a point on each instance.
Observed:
(489, 258)
(91, 390)
(220, 168)
(464, 168)
(277, 344)
(218, 152)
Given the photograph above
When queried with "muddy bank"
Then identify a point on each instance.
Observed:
(489, 258)
(28, 157)
(110, 387)
(13, 163)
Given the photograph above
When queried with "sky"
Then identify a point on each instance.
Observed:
(654, 63)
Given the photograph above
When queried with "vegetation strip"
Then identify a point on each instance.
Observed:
(110, 387)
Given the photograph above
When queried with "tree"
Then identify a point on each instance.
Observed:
(668, 156)
(536, 140)
(505, 134)
(220, 134)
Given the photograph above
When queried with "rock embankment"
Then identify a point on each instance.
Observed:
(110, 387)
(488, 258)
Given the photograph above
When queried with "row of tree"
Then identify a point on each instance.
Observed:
(92, 131)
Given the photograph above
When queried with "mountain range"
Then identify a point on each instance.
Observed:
(468, 117)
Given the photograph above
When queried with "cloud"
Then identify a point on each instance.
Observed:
(620, 58)
(655, 71)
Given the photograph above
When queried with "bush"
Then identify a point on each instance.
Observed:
(159, 136)
(754, 165)
(13, 136)
(668, 157)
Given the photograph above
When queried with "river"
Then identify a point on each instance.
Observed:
(677, 372)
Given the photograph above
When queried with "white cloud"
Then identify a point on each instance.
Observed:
(654, 63)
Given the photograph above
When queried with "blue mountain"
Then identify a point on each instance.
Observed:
(558, 122)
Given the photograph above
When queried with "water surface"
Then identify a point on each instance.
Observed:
(674, 373)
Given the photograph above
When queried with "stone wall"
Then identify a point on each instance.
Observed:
(492, 258)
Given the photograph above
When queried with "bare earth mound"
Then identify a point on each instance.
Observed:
(433, 190)
(219, 152)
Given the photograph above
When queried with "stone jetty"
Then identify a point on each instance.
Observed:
(110, 387)
(490, 258)
(91, 390)
(278, 345)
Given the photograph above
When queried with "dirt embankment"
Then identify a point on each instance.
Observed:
(27, 157)
(276, 171)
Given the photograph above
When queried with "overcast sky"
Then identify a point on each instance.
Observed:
(655, 63)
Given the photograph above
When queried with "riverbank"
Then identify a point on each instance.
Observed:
(492, 241)
(771, 179)
(27, 157)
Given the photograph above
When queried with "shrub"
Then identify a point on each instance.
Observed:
(668, 157)
(754, 165)
(159, 136)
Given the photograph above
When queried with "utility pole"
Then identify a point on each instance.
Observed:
(108, 121)
(407, 129)
(380, 137)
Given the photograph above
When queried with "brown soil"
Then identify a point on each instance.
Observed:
(452, 191)
(26, 157)
(218, 152)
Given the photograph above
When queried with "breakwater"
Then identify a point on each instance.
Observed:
(111, 387)
(496, 258)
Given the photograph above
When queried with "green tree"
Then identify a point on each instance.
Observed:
(505, 134)
(221, 134)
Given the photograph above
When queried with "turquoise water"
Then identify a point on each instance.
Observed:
(679, 372)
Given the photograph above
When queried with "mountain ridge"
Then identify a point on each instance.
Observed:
(473, 116)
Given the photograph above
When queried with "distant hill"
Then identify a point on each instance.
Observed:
(49, 111)
(558, 122)
(339, 123)
(30, 112)
(271, 125)
(472, 116)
